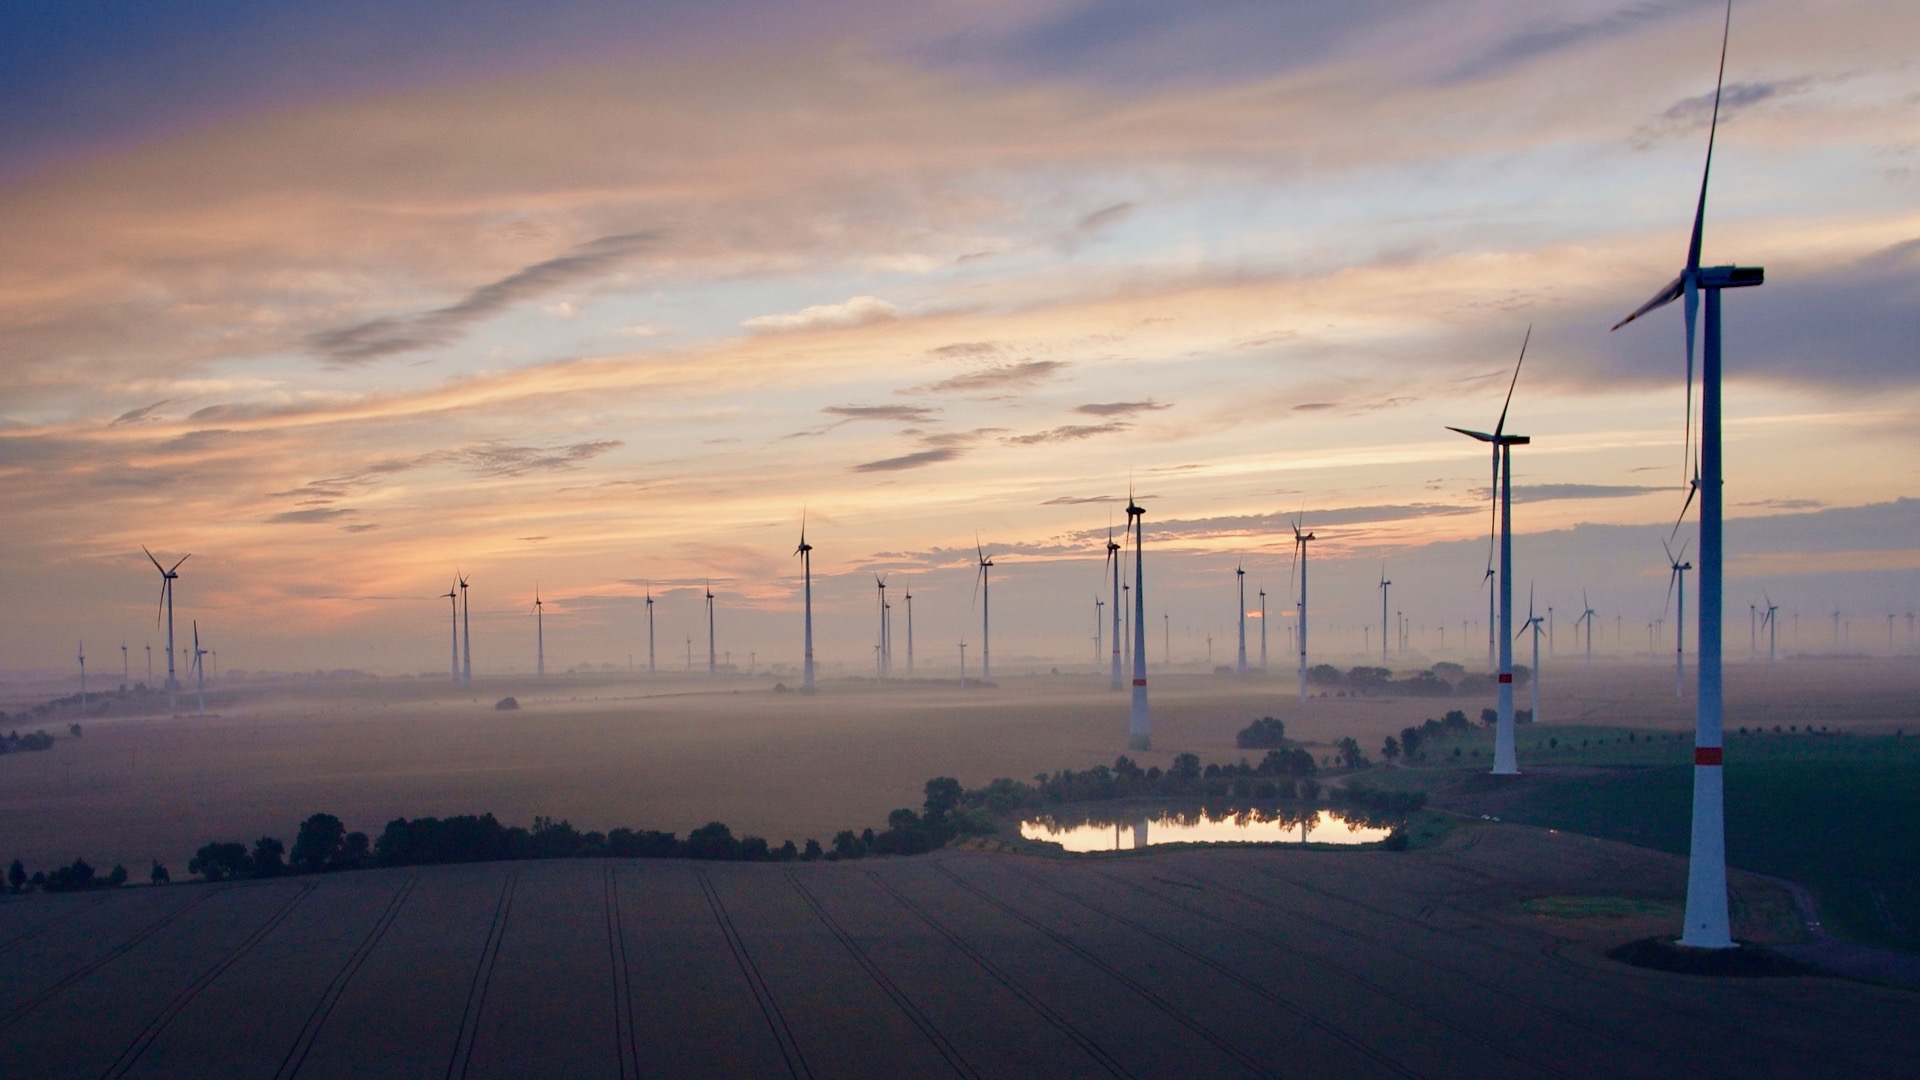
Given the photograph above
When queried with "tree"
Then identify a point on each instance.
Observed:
(158, 875)
(1390, 749)
(943, 794)
(1265, 733)
(713, 841)
(216, 861)
(903, 819)
(1348, 752)
(267, 854)
(848, 846)
(812, 850)
(16, 876)
(317, 847)
(71, 878)
(1410, 740)
(1455, 719)
(117, 876)
(1186, 767)
(1489, 717)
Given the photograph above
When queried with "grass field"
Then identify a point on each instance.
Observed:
(1833, 812)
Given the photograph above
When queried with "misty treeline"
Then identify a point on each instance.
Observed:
(14, 743)
(1441, 680)
(74, 877)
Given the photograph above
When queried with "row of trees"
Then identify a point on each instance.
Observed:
(74, 877)
(14, 743)
(1443, 679)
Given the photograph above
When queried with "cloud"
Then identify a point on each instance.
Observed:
(1004, 377)
(1314, 406)
(1080, 500)
(391, 335)
(856, 311)
(1067, 433)
(315, 516)
(1559, 34)
(912, 414)
(1695, 113)
(1120, 408)
(139, 415)
(967, 349)
(1092, 225)
(1281, 523)
(502, 459)
(911, 461)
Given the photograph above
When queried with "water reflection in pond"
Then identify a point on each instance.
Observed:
(1163, 826)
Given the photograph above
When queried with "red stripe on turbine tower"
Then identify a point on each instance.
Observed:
(1506, 676)
(1706, 755)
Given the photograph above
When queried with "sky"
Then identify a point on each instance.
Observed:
(597, 299)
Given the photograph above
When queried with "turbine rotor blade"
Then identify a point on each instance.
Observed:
(1665, 296)
(1502, 425)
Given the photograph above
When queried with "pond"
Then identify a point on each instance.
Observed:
(1163, 825)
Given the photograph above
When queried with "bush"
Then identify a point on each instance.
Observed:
(506, 704)
(217, 860)
(72, 878)
(1265, 733)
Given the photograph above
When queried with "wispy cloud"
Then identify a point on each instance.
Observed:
(1120, 408)
(315, 516)
(1067, 433)
(912, 414)
(395, 334)
(993, 379)
(856, 311)
(504, 459)
(139, 415)
(1523, 493)
(916, 460)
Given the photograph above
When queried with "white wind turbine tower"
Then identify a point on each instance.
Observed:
(713, 655)
(880, 650)
(199, 668)
(466, 631)
(539, 636)
(1139, 735)
(1263, 629)
(453, 600)
(1115, 567)
(1505, 762)
(1492, 580)
(1772, 624)
(1300, 612)
(168, 575)
(83, 676)
(1533, 623)
(986, 625)
(1707, 924)
(1384, 583)
(805, 552)
(650, 667)
(1240, 576)
(1677, 587)
(1586, 618)
(909, 599)
(126, 669)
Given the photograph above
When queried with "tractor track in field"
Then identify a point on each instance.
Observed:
(462, 1058)
(770, 1010)
(322, 1009)
(626, 1046)
(156, 1026)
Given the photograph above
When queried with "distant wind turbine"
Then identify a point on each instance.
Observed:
(199, 668)
(1504, 760)
(986, 622)
(1263, 629)
(539, 636)
(168, 575)
(1139, 736)
(126, 669)
(466, 632)
(453, 600)
(1533, 623)
(1384, 583)
(1115, 568)
(83, 676)
(1707, 923)
(1300, 541)
(805, 552)
(909, 599)
(713, 655)
(1586, 618)
(1772, 622)
(1240, 577)
(880, 651)
(1677, 587)
(650, 667)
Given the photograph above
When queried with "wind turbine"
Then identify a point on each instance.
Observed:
(1533, 623)
(1300, 613)
(1707, 925)
(880, 653)
(199, 668)
(1099, 611)
(453, 599)
(126, 669)
(1263, 629)
(1677, 586)
(963, 665)
(1492, 580)
(466, 631)
(1586, 616)
(713, 655)
(1504, 760)
(650, 667)
(1773, 625)
(539, 636)
(909, 598)
(1138, 724)
(1240, 575)
(149, 665)
(1115, 568)
(986, 625)
(1383, 613)
(83, 676)
(805, 552)
(168, 575)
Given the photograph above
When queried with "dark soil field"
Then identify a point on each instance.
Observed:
(1482, 957)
